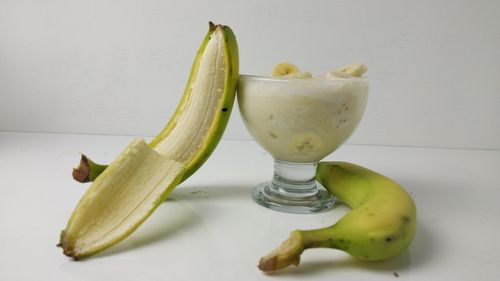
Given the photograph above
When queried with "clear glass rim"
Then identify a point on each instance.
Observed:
(306, 80)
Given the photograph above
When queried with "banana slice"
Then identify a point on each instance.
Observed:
(354, 69)
(305, 143)
(334, 74)
(284, 68)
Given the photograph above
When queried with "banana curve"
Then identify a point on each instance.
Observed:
(381, 224)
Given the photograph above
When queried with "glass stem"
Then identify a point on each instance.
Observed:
(294, 180)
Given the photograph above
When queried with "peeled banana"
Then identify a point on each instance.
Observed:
(127, 191)
(380, 225)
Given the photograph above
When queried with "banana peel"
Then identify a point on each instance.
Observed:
(120, 199)
(125, 193)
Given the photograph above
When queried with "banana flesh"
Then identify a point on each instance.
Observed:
(335, 74)
(353, 69)
(199, 121)
(284, 69)
(381, 224)
(204, 94)
(127, 191)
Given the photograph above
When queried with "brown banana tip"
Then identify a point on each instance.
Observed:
(212, 26)
(70, 252)
(268, 264)
(82, 172)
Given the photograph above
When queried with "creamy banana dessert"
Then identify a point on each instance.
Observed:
(299, 118)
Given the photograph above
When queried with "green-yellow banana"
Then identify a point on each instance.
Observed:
(127, 191)
(380, 225)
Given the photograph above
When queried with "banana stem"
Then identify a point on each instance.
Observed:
(290, 250)
(285, 255)
(87, 170)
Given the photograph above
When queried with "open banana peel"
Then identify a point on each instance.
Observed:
(120, 199)
(127, 191)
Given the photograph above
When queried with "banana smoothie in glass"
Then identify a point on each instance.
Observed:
(299, 121)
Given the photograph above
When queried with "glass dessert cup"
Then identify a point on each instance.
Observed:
(299, 122)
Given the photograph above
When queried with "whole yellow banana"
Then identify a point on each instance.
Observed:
(380, 225)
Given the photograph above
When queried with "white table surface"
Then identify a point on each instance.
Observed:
(210, 229)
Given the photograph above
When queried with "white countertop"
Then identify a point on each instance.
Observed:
(210, 229)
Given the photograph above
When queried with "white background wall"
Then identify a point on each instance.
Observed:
(120, 67)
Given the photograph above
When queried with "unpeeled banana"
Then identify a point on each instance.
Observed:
(380, 225)
(127, 191)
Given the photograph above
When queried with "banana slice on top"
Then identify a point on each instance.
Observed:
(334, 74)
(284, 68)
(354, 69)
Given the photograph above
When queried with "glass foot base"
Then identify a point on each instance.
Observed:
(267, 195)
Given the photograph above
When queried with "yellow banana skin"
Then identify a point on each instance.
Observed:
(381, 224)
